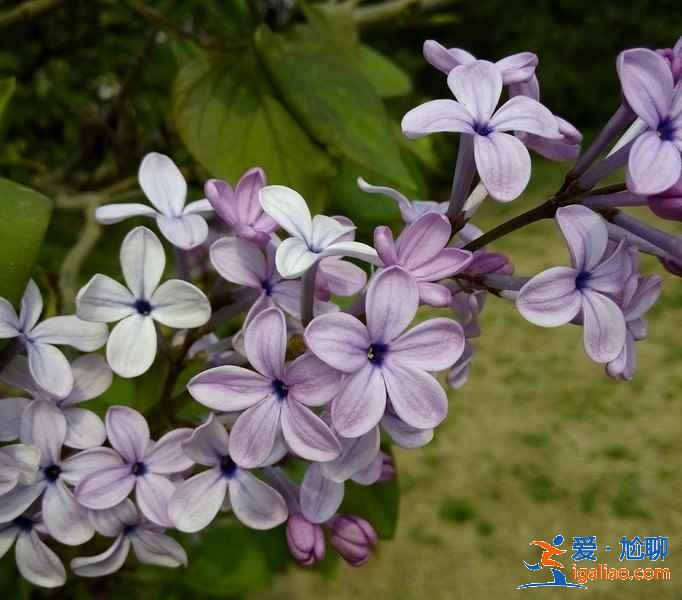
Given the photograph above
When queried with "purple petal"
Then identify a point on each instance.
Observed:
(624, 365)
(342, 277)
(180, 304)
(311, 381)
(647, 292)
(550, 298)
(65, 519)
(445, 59)
(265, 341)
(239, 261)
(478, 87)
(152, 493)
(422, 240)
(320, 497)
(185, 231)
(518, 67)
(128, 432)
(44, 427)
(253, 435)
(371, 473)
(521, 113)
(166, 455)
(433, 345)
(356, 455)
(246, 193)
(307, 435)
(208, 444)
(84, 428)
(37, 563)
(608, 276)
(434, 294)
(255, 503)
(503, 164)
(82, 464)
(229, 388)
(392, 302)
(405, 435)
(106, 563)
(585, 234)
(647, 83)
(340, 340)
(385, 245)
(152, 548)
(111, 522)
(361, 403)
(654, 164)
(106, 487)
(11, 410)
(445, 263)
(18, 500)
(437, 116)
(197, 501)
(603, 327)
(416, 396)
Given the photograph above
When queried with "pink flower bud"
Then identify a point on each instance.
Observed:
(353, 538)
(305, 540)
(387, 468)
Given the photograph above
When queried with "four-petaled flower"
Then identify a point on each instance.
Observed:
(163, 183)
(381, 358)
(132, 344)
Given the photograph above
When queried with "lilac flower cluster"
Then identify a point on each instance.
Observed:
(305, 378)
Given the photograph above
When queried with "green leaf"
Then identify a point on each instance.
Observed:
(229, 119)
(24, 216)
(7, 87)
(333, 100)
(388, 79)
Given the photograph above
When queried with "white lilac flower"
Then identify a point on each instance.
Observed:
(163, 183)
(129, 528)
(47, 363)
(91, 378)
(19, 464)
(313, 238)
(132, 344)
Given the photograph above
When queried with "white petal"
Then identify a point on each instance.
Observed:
(353, 249)
(115, 213)
(294, 258)
(91, 378)
(69, 330)
(198, 207)
(326, 231)
(11, 410)
(163, 183)
(478, 87)
(50, 369)
(31, 306)
(84, 428)
(255, 503)
(185, 231)
(9, 321)
(180, 304)
(197, 501)
(131, 348)
(44, 426)
(37, 563)
(7, 536)
(289, 209)
(142, 261)
(152, 548)
(104, 300)
(17, 501)
(65, 519)
(106, 563)
(152, 493)
(357, 454)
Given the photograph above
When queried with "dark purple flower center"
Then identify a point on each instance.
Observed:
(280, 388)
(128, 529)
(227, 467)
(143, 307)
(376, 353)
(52, 473)
(581, 280)
(138, 469)
(482, 128)
(267, 287)
(24, 523)
(666, 129)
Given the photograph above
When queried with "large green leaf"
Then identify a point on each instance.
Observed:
(24, 216)
(7, 86)
(229, 119)
(388, 79)
(333, 99)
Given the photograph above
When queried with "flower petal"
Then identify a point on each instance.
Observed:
(445, 59)
(198, 207)
(115, 213)
(11, 410)
(356, 455)
(433, 345)
(320, 497)
(288, 208)
(340, 340)
(79, 465)
(17, 501)
(131, 348)
(437, 116)
(326, 231)
(105, 487)
(104, 300)
(69, 330)
(31, 306)
(9, 321)
(179, 304)
(128, 432)
(265, 340)
(352, 249)
(603, 327)
(311, 381)
(91, 378)
(342, 277)
(503, 164)
(152, 493)
(196, 501)
(517, 68)
(294, 258)
(84, 428)
(44, 427)
(163, 183)
(152, 548)
(247, 192)
(654, 164)
(229, 388)
(422, 240)
(142, 262)
(307, 435)
(416, 396)
(208, 443)
(585, 234)
(37, 563)
(405, 435)
(521, 113)
(392, 302)
(239, 261)
(185, 231)
(166, 455)
(106, 563)
(253, 435)
(361, 403)
(478, 87)
(550, 298)
(255, 503)
(65, 519)
(434, 294)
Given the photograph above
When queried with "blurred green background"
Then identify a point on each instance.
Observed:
(538, 442)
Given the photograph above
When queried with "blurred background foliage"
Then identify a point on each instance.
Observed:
(314, 93)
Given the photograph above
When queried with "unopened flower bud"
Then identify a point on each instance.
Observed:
(668, 204)
(353, 538)
(387, 468)
(305, 540)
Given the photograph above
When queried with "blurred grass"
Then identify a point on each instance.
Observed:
(538, 442)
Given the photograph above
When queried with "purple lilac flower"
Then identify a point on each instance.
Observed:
(502, 160)
(404, 435)
(131, 348)
(240, 208)
(654, 162)
(197, 500)
(668, 203)
(134, 461)
(35, 561)
(422, 250)
(163, 183)
(459, 373)
(129, 528)
(312, 239)
(674, 57)
(48, 365)
(638, 296)
(560, 294)
(19, 465)
(305, 540)
(91, 378)
(44, 427)
(357, 455)
(381, 358)
(388, 469)
(353, 538)
(275, 397)
(319, 496)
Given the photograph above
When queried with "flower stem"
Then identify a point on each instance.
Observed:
(308, 295)
(182, 264)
